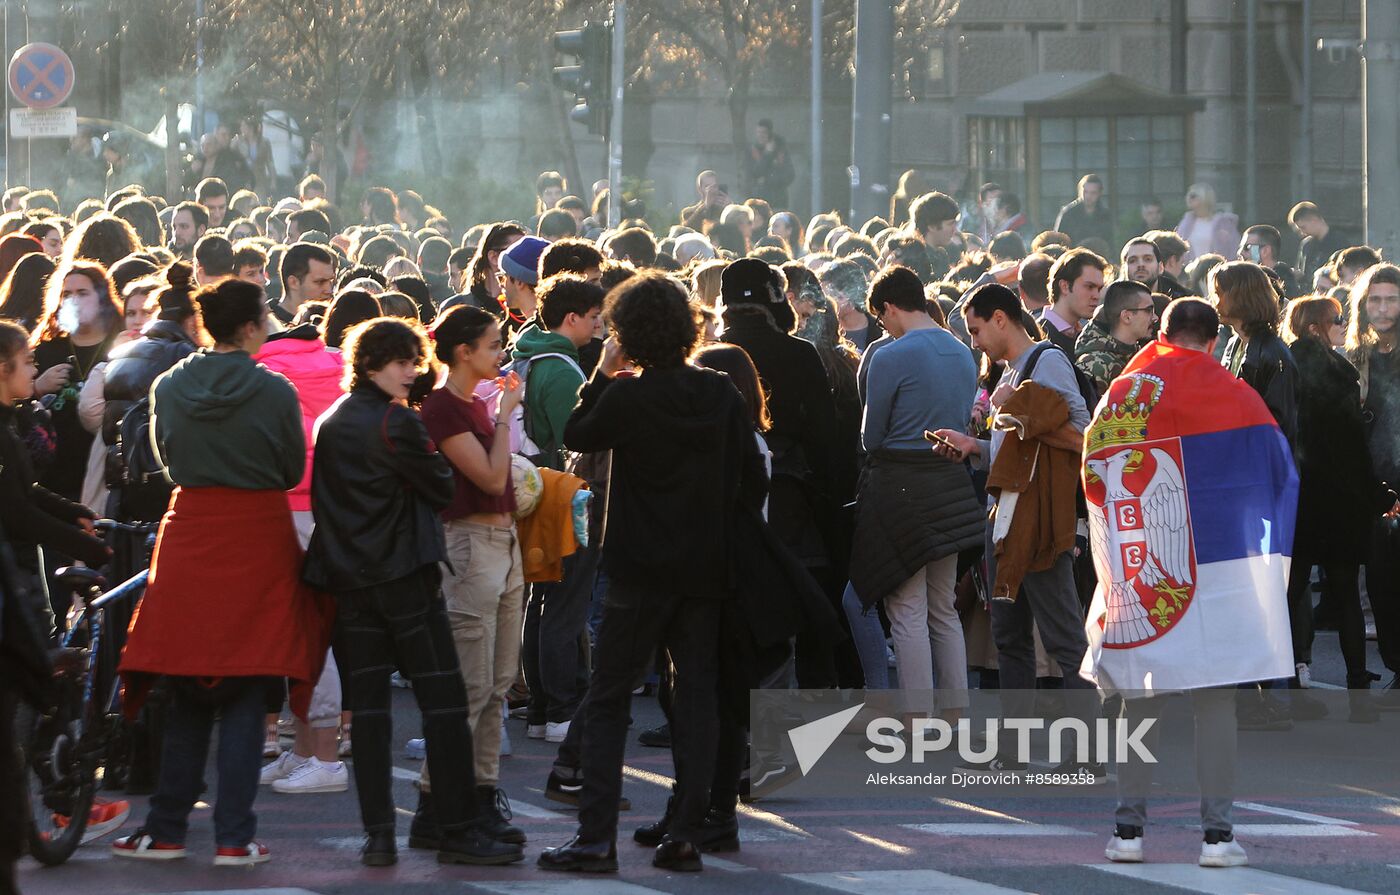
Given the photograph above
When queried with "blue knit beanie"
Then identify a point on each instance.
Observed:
(522, 260)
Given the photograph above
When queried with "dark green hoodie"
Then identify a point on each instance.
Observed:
(551, 389)
(222, 420)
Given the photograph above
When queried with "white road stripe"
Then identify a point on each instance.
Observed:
(248, 892)
(1296, 831)
(990, 829)
(711, 862)
(525, 809)
(1296, 815)
(571, 886)
(900, 882)
(355, 843)
(1221, 881)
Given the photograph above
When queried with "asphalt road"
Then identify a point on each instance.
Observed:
(1348, 841)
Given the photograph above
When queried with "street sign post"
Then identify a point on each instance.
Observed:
(62, 122)
(41, 75)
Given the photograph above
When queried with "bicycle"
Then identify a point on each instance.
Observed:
(66, 749)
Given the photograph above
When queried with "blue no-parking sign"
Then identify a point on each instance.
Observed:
(41, 75)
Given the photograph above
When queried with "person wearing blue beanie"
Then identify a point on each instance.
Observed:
(520, 272)
(522, 260)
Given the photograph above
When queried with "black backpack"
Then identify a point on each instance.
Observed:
(134, 472)
(1087, 390)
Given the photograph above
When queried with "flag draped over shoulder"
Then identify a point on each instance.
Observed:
(1192, 495)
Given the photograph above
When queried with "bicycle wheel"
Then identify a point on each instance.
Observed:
(61, 785)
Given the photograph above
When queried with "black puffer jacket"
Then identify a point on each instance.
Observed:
(1339, 496)
(914, 507)
(377, 486)
(134, 366)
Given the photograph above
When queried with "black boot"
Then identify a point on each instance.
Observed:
(720, 832)
(652, 834)
(473, 845)
(379, 849)
(580, 857)
(496, 816)
(1362, 705)
(424, 833)
(679, 856)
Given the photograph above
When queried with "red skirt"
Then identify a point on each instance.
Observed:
(225, 598)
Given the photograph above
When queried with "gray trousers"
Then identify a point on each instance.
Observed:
(1216, 733)
(1049, 602)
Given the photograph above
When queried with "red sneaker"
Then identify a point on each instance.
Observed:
(104, 817)
(141, 846)
(239, 856)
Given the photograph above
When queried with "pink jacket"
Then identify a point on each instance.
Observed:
(1224, 235)
(316, 371)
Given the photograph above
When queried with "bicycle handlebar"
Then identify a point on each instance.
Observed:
(122, 591)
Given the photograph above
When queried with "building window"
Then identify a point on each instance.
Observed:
(997, 150)
(1151, 159)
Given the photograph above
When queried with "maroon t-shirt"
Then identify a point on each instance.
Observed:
(445, 415)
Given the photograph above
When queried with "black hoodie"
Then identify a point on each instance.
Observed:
(684, 461)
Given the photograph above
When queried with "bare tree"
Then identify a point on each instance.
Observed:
(328, 56)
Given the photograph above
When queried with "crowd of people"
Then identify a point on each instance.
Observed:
(521, 467)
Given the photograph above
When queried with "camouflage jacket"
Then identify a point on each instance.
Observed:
(1100, 355)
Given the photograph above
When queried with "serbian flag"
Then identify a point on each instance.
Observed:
(1192, 494)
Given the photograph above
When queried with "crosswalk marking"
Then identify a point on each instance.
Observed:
(711, 862)
(900, 882)
(990, 829)
(882, 844)
(355, 843)
(1221, 881)
(571, 885)
(248, 892)
(1295, 814)
(525, 809)
(1297, 831)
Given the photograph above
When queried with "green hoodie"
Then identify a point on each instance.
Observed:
(551, 390)
(222, 420)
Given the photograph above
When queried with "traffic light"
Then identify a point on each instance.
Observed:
(589, 80)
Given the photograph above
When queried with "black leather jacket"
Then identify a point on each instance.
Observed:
(133, 368)
(377, 486)
(1268, 366)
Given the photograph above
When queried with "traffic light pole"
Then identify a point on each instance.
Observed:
(619, 31)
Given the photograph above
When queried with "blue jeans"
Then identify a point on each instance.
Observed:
(188, 726)
(554, 647)
(869, 639)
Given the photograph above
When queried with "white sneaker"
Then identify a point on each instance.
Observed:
(315, 776)
(535, 731)
(555, 731)
(1304, 675)
(282, 768)
(1124, 851)
(416, 748)
(1226, 853)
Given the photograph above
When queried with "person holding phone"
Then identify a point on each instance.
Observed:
(714, 196)
(1261, 244)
